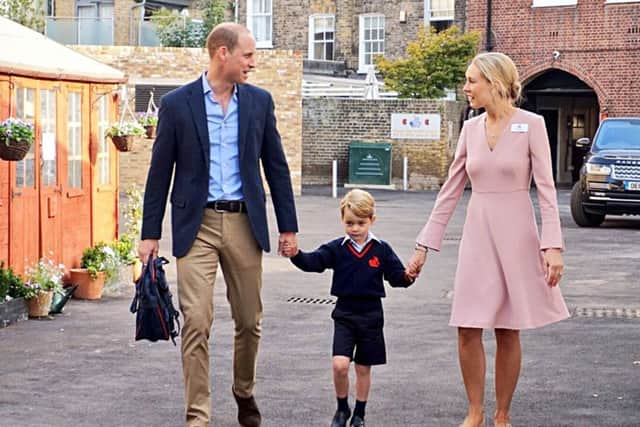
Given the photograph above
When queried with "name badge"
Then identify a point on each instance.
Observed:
(520, 127)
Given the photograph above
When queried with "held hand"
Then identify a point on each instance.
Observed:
(553, 265)
(148, 247)
(287, 244)
(416, 262)
(411, 274)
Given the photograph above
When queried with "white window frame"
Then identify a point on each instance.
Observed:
(48, 122)
(74, 140)
(428, 13)
(261, 44)
(362, 67)
(313, 42)
(26, 111)
(553, 3)
(621, 1)
(103, 158)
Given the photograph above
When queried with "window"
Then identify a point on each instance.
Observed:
(95, 23)
(321, 37)
(74, 140)
(439, 14)
(621, 1)
(26, 110)
(103, 158)
(48, 143)
(259, 20)
(545, 3)
(371, 40)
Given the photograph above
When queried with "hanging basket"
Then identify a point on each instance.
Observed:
(15, 151)
(124, 142)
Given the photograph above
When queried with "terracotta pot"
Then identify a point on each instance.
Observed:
(88, 288)
(151, 131)
(40, 305)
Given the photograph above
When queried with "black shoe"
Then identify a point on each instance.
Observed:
(248, 412)
(340, 418)
(356, 421)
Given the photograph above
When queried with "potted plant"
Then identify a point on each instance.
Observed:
(16, 137)
(98, 264)
(123, 134)
(43, 279)
(12, 304)
(149, 121)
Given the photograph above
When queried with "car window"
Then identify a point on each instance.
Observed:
(618, 135)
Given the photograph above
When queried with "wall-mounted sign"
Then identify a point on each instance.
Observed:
(415, 126)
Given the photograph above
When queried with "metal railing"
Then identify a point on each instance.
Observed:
(76, 30)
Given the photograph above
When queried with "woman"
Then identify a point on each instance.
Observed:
(507, 276)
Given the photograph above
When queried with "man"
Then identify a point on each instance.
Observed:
(215, 131)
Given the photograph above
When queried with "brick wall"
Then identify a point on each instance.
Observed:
(599, 43)
(278, 71)
(329, 124)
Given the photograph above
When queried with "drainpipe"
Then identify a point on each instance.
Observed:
(236, 12)
(488, 46)
(131, 29)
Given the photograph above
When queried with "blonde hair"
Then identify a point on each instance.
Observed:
(501, 72)
(360, 202)
(224, 34)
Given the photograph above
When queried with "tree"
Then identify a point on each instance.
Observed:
(24, 12)
(178, 31)
(434, 62)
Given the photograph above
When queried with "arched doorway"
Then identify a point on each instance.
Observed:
(571, 111)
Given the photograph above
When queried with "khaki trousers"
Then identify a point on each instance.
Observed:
(224, 239)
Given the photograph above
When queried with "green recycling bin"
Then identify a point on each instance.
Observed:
(370, 163)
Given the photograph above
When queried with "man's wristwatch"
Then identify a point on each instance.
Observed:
(421, 248)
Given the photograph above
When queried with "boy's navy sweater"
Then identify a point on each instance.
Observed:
(355, 273)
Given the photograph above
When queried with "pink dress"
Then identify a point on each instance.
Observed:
(499, 279)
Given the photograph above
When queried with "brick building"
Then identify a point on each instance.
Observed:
(342, 36)
(578, 60)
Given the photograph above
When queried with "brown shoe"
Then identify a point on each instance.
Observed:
(248, 412)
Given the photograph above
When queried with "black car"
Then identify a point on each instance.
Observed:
(610, 176)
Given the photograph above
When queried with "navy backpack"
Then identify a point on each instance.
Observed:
(156, 317)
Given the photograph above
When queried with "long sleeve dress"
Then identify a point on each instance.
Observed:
(499, 280)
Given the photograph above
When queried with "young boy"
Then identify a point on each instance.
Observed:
(359, 261)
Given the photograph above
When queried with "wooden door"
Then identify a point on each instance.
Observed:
(5, 99)
(24, 237)
(75, 173)
(104, 159)
(48, 138)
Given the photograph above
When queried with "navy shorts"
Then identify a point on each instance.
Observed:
(358, 332)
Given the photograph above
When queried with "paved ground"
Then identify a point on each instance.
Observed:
(84, 368)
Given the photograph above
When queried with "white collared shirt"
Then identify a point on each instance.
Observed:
(357, 247)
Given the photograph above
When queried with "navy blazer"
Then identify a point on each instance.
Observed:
(182, 141)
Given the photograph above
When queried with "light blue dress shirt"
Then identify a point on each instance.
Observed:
(224, 163)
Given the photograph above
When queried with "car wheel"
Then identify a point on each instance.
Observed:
(582, 218)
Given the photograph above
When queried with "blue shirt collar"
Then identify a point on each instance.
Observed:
(206, 88)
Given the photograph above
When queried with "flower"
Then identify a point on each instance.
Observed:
(100, 258)
(45, 275)
(148, 119)
(124, 129)
(14, 130)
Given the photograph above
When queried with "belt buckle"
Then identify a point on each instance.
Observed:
(216, 209)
